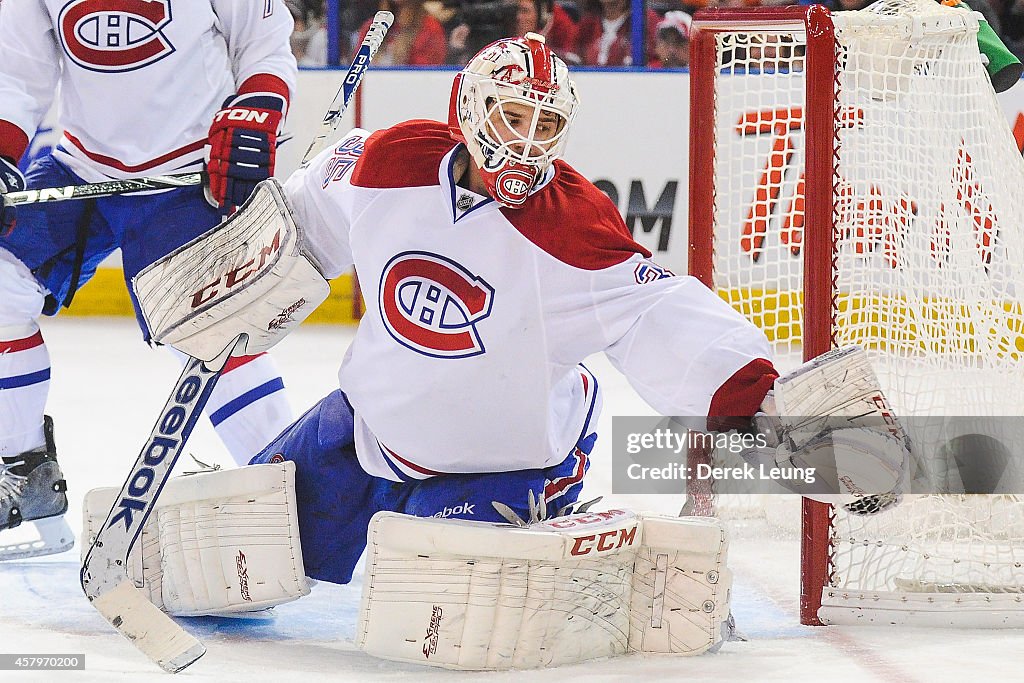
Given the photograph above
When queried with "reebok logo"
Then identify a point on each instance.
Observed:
(164, 445)
(464, 509)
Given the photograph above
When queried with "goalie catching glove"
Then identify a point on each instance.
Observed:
(829, 416)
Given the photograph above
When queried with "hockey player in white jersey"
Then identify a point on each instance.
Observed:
(144, 87)
(491, 269)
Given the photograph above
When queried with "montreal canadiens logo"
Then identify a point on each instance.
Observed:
(432, 305)
(513, 186)
(115, 35)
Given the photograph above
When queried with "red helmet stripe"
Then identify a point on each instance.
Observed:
(542, 65)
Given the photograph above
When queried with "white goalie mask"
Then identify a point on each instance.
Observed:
(512, 106)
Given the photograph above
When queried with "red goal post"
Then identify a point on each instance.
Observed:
(819, 115)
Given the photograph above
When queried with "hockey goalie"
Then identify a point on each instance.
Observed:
(455, 449)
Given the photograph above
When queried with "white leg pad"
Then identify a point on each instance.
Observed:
(478, 596)
(218, 543)
(681, 586)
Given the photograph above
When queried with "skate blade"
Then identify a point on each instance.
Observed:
(54, 536)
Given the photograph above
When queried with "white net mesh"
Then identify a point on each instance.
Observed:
(928, 260)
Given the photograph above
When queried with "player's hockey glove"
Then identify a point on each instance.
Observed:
(11, 180)
(243, 143)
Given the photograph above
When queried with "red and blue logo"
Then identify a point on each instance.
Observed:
(433, 305)
(115, 35)
(649, 271)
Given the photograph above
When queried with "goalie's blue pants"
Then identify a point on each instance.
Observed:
(336, 498)
(62, 243)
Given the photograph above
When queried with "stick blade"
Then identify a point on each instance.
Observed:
(149, 629)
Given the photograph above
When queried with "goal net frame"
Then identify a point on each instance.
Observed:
(820, 116)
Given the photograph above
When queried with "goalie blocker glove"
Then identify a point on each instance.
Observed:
(243, 143)
(11, 180)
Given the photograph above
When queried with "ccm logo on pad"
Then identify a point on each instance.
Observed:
(237, 275)
(603, 542)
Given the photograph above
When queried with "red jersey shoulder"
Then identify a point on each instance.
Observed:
(405, 155)
(575, 222)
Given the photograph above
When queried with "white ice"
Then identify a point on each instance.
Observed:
(107, 388)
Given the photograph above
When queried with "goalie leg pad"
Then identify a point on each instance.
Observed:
(681, 586)
(479, 596)
(218, 543)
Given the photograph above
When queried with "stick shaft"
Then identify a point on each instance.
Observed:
(103, 576)
(105, 188)
(367, 49)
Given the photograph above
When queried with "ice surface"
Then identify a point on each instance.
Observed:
(106, 390)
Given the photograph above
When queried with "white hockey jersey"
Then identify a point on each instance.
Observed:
(138, 80)
(477, 316)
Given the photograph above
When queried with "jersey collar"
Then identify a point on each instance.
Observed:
(458, 194)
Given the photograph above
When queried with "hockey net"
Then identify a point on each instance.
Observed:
(853, 181)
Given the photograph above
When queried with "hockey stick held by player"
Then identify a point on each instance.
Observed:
(126, 111)
(241, 262)
(491, 269)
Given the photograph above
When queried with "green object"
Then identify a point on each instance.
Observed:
(1004, 69)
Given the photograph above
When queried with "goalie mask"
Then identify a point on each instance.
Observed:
(512, 106)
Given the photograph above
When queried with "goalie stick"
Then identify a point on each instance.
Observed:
(104, 574)
(104, 571)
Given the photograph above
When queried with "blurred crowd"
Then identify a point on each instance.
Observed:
(584, 32)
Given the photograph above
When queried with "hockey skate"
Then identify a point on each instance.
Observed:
(32, 489)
